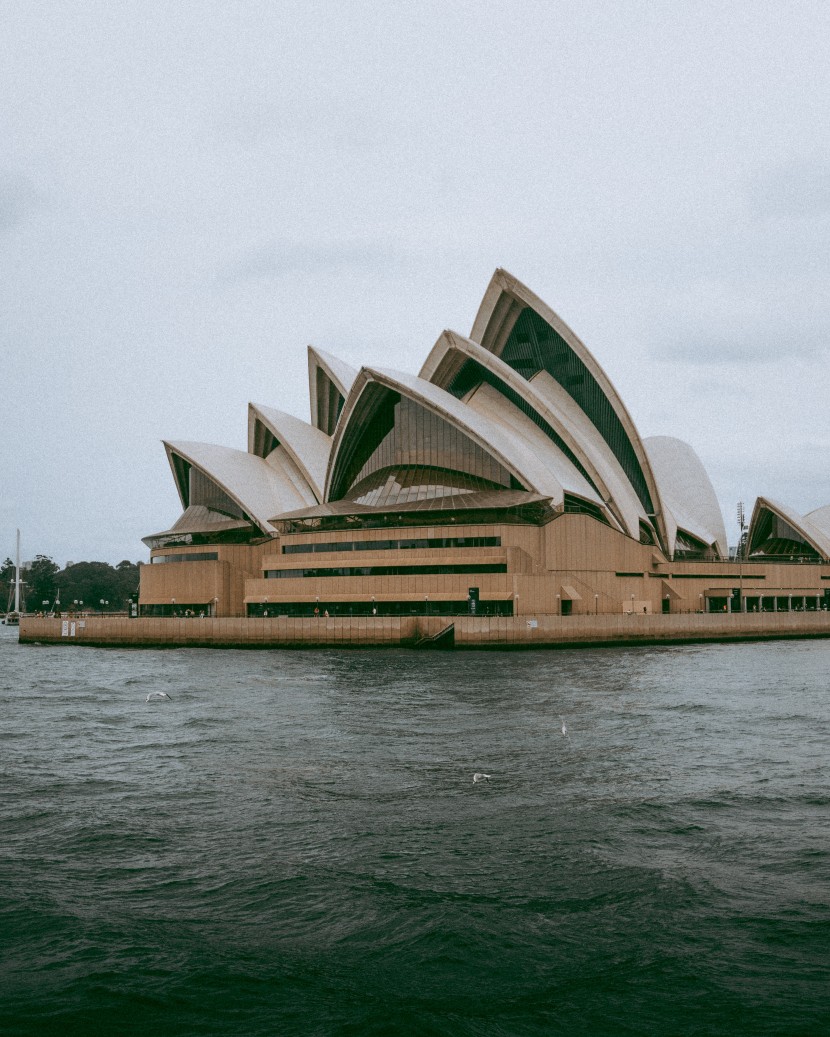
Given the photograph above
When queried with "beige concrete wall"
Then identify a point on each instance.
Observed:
(597, 560)
(227, 632)
(470, 632)
(201, 582)
(599, 570)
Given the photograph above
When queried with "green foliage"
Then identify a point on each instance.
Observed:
(40, 582)
(94, 582)
(89, 582)
(6, 584)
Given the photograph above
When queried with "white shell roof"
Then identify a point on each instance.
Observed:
(555, 406)
(687, 492)
(198, 519)
(260, 489)
(532, 473)
(820, 520)
(307, 446)
(338, 372)
(502, 301)
(527, 436)
(814, 534)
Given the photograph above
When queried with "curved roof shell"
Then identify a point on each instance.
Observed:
(257, 488)
(814, 536)
(281, 439)
(820, 520)
(364, 401)
(525, 332)
(329, 382)
(687, 493)
(460, 365)
(197, 518)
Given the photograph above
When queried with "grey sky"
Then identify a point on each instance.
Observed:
(192, 192)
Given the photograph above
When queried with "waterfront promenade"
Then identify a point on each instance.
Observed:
(468, 631)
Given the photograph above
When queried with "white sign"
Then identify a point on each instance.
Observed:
(65, 628)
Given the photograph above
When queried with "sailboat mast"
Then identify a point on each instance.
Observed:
(17, 576)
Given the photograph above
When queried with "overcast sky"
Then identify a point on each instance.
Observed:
(192, 192)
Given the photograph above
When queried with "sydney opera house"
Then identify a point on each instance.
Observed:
(507, 478)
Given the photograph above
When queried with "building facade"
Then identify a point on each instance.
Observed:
(506, 478)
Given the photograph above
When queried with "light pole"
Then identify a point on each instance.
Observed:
(426, 604)
(596, 604)
(742, 546)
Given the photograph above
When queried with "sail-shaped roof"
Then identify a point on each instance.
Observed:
(329, 382)
(233, 482)
(284, 440)
(775, 529)
(687, 493)
(519, 327)
(368, 417)
(820, 519)
(460, 366)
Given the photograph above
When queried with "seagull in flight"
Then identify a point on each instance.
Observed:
(564, 727)
(478, 776)
(158, 695)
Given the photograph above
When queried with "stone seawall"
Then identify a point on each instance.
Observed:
(469, 631)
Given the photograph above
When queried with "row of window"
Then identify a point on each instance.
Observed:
(196, 556)
(323, 610)
(386, 570)
(421, 543)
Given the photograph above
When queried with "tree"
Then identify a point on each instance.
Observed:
(94, 582)
(40, 582)
(6, 584)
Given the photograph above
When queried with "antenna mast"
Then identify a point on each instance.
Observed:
(17, 576)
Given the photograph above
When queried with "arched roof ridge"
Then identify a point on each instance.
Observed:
(490, 437)
(503, 301)
(812, 534)
(256, 487)
(687, 492)
(307, 446)
(820, 518)
(340, 374)
(578, 435)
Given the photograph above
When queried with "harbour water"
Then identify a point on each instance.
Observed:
(293, 843)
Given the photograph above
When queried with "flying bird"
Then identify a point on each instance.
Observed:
(478, 776)
(564, 727)
(158, 695)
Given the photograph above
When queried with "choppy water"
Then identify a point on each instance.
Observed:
(294, 844)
